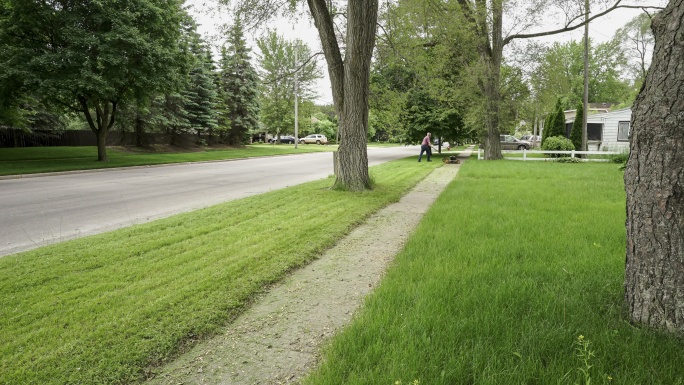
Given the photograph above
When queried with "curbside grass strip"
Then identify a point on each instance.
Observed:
(103, 309)
(278, 339)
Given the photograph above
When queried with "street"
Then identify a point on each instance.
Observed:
(43, 210)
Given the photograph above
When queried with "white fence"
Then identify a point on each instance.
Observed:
(571, 153)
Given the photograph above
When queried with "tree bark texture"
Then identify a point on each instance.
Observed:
(350, 80)
(654, 178)
(104, 120)
(491, 57)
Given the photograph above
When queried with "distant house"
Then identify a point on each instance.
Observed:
(606, 131)
(594, 108)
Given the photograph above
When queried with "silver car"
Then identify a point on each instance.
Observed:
(510, 142)
(314, 138)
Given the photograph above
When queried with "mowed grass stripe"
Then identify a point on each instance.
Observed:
(104, 309)
(30, 160)
(510, 266)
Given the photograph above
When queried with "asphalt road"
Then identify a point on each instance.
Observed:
(47, 209)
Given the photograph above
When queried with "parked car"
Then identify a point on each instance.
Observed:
(283, 139)
(510, 142)
(530, 138)
(314, 138)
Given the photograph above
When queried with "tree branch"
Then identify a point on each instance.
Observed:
(569, 28)
(331, 49)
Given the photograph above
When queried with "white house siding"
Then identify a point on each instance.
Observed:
(609, 135)
(611, 122)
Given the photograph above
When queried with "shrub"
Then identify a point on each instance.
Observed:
(619, 158)
(569, 160)
(558, 143)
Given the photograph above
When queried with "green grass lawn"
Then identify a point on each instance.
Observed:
(106, 309)
(384, 144)
(515, 276)
(31, 160)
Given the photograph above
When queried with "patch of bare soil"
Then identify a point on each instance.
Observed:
(278, 339)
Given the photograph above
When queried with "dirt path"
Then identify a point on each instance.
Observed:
(277, 340)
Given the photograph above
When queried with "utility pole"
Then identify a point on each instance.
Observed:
(586, 76)
(296, 98)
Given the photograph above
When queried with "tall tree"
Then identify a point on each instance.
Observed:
(637, 41)
(280, 61)
(200, 93)
(555, 122)
(654, 268)
(349, 73)
(239, 87)
(486, 18)
(421, 63)
(350, 80)
(576, 132)
(91, 56)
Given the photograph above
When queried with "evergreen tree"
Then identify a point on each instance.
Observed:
(576, 132)
(558, 123)
(223, 121)
(239, 87)
(168, 114)
(200, 95)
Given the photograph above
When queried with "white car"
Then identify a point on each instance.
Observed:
(314, 138)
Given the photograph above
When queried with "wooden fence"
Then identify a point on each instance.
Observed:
(573, 154)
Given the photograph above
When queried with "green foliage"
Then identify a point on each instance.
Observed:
(421, 62)
(200, 93)
(555, 123)
(620, 158)
(561, 73)
(568, 159)
(280, 61)
(91, 56)
(322, 124)
(424, 114)
(558, 143)
(558, 123)
(389, 88)
(576, 132)
(239, 88)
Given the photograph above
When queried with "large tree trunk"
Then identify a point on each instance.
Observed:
(654, 183)
(100, 126)
(353, 150)
(491, 58)
(492, 94)
(350, 81)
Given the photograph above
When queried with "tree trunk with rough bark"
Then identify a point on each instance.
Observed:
(350, 81)
(654, 183)
(103, 122)
(491, 58)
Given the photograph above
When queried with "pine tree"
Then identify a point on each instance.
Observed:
(200, 94)
(576, 132)
(548, 122)
(558, 123)
(239, 88)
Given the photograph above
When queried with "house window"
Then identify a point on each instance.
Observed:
(594, 131)
(623, 132)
